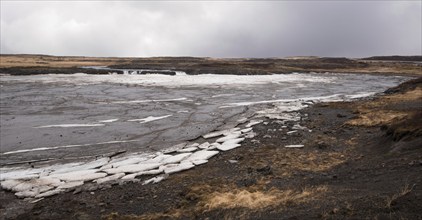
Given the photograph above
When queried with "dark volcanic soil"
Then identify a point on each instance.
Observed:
(361, 160)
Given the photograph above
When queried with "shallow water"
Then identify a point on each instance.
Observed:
(72, 116)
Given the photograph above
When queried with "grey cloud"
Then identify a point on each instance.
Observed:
(218, 29)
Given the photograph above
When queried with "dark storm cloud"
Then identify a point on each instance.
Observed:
(217, 29)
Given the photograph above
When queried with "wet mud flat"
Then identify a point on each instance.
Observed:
(361, 159)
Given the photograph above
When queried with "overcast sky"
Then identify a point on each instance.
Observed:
(212, 29)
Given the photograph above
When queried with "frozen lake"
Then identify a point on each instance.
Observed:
(78, 116)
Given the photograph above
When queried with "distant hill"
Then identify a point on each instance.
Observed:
(395, 58)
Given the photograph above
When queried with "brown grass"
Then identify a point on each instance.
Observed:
(56, 62)
(369, 119)
(249, 199)
(260, 199)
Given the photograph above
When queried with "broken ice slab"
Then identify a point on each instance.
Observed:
(219, 133)
(174, 148)
(133, 168)
(205, 145)
(199, 162)
(179, 167)
(123, 163)
(230, 144)
(201, 155)
(90, 165)
(81, 176)
(187, 149)
(70, 185)
(299, 127)
(23, 185)
(109, 178)
(148, 172)
(253, 122)
(49, 193)
(295, 146)
(155, 179)
(175, 159)
(246, 130)
(226, 147)
(20, 174)
(228, 137)
(291, 132)
(250, 135)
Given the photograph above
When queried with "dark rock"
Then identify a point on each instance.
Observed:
(246, 182)
(265, 170)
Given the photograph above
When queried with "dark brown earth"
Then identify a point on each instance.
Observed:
(42, 64)
(362, 160)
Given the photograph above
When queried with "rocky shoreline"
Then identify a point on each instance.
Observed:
(354, 160)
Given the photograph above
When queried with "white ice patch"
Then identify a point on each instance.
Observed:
(201, 155)
(70, 185)
(187, 149)
(227, 146)
(228, 137)
(204, 145)
(295, 146)
(219, 133)
(291, 132)
(176, 158)
(133, 168)
(156, 179)
(180, 167)
(109, 178)
(109, 120)
(123, 163)
(20, 174)
(149, 119)
(253, 122)
(86, 166)
(174, 148)
(246, 130)
(49, 193)
(70, 125)
(84, 175)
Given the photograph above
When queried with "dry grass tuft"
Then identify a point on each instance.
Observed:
(260, 199)
(369, 119)
(406, 189)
